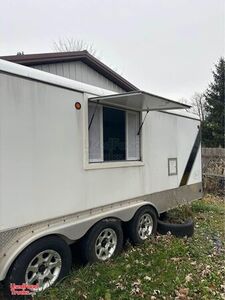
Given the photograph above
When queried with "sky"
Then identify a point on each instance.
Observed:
(166, 47)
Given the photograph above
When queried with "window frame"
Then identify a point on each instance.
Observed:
(91, 161)
(140, 137)
(106, 164)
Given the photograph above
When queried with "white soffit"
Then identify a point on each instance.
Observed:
(139, 101)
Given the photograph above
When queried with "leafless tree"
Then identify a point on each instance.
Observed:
(198, 105)
(71, 44)
(20, 53)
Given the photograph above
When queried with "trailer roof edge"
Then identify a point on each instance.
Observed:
(30, 73)
(52, 79)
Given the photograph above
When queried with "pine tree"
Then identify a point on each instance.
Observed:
(213, 126)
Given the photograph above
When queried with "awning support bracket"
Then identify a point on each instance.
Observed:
(142, 123)
(93, 115)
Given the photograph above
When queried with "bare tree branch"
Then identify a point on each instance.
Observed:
(198, 105)
(71, 44)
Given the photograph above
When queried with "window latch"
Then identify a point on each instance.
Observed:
(142, 123)
(93, 115)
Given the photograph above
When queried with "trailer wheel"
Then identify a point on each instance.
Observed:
(142, 225)
(43, 262)
(103, 241)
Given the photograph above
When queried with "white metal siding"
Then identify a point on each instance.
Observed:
(79, 71)
(42, 149)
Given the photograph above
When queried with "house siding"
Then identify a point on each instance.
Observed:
(79, 71)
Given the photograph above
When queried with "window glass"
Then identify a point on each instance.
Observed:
(114, 134)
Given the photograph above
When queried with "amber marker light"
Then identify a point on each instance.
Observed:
(77, 105)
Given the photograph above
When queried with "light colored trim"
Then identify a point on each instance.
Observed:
(52, 79)
(34, 74)
(85, 131)
(182, 113)
(137, 115)
(101, 165)
(101, 134)
(145, 96)
(169, 170)
(116, 164)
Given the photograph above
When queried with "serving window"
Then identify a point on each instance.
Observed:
(113, 134)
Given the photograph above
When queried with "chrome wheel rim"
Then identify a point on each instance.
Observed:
(44, 269)
(145, 226)
(105, 244)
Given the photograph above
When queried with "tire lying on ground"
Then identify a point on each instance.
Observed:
(178, 230)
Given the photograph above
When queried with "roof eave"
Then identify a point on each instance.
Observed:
(84, 56)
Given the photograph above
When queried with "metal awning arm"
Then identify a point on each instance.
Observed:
(142, 123)
(93, 115)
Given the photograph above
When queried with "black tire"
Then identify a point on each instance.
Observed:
(178, 230)
(89, 241)
(133, 224)
(163, 216)
(18, 269)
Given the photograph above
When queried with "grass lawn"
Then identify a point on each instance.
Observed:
(164, 267)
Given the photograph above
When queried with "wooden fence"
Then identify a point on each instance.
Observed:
(213, 167)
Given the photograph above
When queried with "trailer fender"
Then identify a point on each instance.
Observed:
(70, 228)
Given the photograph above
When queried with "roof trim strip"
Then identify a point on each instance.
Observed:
(84, 56)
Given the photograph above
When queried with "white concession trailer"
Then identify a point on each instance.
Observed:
(78, 162)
